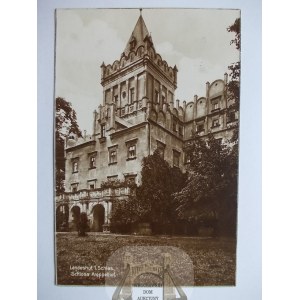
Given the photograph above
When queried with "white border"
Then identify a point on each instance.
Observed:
(249, 233)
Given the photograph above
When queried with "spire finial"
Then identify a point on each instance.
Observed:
(141, 11)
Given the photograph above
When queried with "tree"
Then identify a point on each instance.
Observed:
(83, 224)
(65, 125)
(159, 183)
(233, 86)
(210, 194)
(153, 201)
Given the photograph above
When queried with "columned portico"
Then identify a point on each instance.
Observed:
(97, 204)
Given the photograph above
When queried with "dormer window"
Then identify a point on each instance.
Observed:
(132, 43)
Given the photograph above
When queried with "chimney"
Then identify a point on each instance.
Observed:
(225, 78)
(207, 88)
(95, 123)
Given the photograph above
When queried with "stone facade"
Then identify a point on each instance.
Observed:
(137, 116)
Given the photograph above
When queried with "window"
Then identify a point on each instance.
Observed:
(231, 117)
(103, 130)
(163, 99)
(112, 178)
(92, 184)
(116, 99)
(131, 95)
(176, 156)
(131, 149)
(161, 148)
(131, 179)
(75, 166)
(180, 129)
(113, 157)
(92, 162)
(156, 96)
(215, 104)
(215, 123)
(74, 187)
(132, 43)
(199, 128)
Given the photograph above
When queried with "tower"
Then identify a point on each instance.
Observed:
(138, 77)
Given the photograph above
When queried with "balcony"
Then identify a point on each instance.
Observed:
(86, 194)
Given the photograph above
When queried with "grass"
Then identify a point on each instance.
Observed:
(213, 259)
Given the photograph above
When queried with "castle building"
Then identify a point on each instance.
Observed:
(139, 114)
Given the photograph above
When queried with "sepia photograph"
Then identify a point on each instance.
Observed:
(146, 107)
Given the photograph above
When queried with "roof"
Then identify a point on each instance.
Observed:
(138, 35)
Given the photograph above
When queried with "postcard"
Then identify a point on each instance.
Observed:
(147, 110)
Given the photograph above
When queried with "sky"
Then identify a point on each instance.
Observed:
(196, 40)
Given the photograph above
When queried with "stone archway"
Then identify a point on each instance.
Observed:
(98, 217)
(75, 213)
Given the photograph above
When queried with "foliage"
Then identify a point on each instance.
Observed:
(62, 218)
(233, 86)
(126, 212)
(117, 184)
(153, 200)
(159, 182)
(236, 28)
(65, 125)
(83, 224)
(210, 193)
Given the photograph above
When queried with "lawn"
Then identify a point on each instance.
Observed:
(213, 259)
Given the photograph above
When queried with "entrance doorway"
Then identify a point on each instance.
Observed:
(98, 217)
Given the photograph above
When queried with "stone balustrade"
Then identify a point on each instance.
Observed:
(100, 193)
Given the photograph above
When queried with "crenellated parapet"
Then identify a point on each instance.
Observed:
(144, 53)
